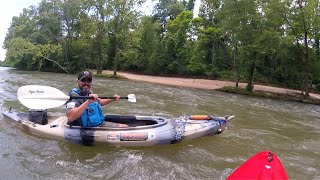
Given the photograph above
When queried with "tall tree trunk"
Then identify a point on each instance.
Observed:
(100, 38)
(306, 66)
(317, 46)
(236, 65)
(115, 66)
(251, 74)
(305, 89)
(100, 58)
(116, 58)
(212, 54)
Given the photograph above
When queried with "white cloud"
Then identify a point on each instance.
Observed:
(147, 7)
(8, 9)
(196, 8)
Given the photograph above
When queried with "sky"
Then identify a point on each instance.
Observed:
(196, 8)
(11, 8)
(8, 9)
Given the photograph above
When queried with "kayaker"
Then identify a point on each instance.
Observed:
(88, 113)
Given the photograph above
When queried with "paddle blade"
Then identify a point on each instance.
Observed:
(41, 97)
(132, 98)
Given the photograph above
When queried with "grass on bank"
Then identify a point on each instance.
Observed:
(297, 97)
(270, 95)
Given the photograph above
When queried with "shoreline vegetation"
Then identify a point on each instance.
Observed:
(230, 40)
(218, 85)
(264, 91)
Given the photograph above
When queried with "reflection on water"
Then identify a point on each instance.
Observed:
(291, 130)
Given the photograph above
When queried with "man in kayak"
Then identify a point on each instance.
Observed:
(88, 112)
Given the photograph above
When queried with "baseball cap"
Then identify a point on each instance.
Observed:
(85, 74)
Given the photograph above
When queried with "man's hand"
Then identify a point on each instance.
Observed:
(95, 98)
(117, 97)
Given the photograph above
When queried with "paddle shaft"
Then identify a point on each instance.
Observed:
(90, 97)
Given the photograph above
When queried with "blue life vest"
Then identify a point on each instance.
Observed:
(93, 116)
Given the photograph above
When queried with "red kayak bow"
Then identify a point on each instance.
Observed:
(262, 166)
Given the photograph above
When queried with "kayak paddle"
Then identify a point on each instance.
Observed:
(46, 97)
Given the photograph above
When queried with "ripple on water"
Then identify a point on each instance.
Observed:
(292, 130)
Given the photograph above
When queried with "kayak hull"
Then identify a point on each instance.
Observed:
(141, 130)
(262, 166)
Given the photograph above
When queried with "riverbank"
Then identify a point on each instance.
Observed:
(212, 84)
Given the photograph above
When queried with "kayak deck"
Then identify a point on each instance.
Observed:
(263, 165)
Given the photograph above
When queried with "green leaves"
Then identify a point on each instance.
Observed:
(258, 41)
(22, 51)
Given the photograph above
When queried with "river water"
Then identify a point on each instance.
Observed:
(289, 129)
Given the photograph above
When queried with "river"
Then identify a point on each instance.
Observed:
(289, 129)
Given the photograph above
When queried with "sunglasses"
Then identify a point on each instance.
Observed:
(86, 80)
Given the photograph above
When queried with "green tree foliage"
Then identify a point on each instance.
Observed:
(272, 42)
(144, 45)
(124, 19)
(176, 49)
(301, 22)
(26, 55)
(168, 9)
(209, 10)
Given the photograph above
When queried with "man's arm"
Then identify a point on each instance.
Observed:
(76, 112)
(104, 102)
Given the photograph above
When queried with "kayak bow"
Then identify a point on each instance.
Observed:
(264, 165)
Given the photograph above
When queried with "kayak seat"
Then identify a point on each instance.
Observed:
(131, 121)
(119, 119)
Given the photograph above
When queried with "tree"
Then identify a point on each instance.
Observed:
(25, 55)
(165, 9)
(148, 39)
(122, 22)
(301, 21)
(242, 23)
(27, 46)
(177, 51)
(209, 11)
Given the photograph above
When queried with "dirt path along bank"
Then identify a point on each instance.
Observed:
(203, 83)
